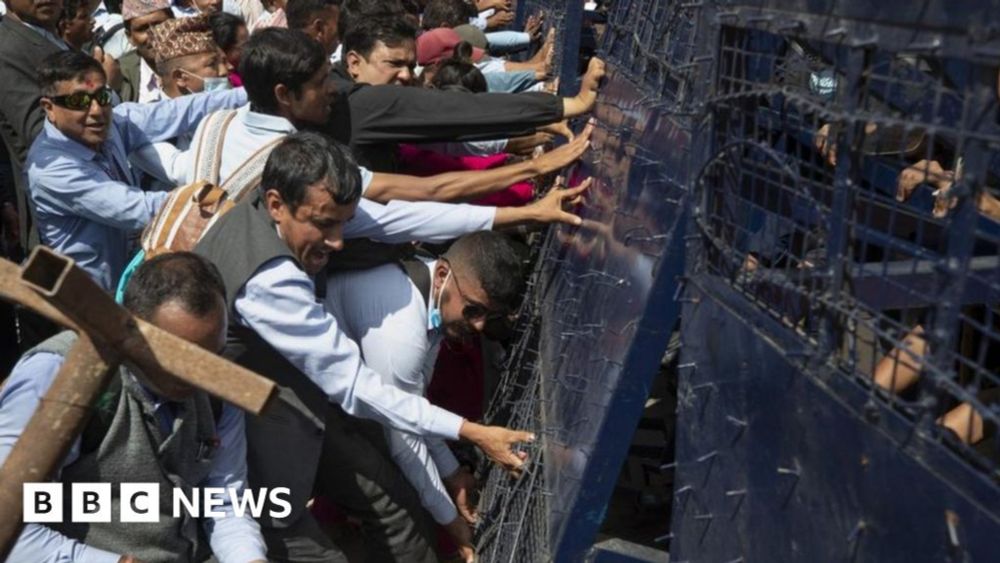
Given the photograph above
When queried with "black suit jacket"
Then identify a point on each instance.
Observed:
(22, 51)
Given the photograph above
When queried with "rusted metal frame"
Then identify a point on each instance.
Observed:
(51, 285)
(60, 417)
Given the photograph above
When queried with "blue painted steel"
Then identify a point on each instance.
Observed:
(566, 18)
(804, 274)
(781, 463)
(799, 273)
(606, 305)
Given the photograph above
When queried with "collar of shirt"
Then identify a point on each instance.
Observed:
(49, 36)
(189, 11)
(149, 83)
(337, 55)
(73, 148)
(276, 18)
(100, 14)
(164, 410)
(262, 121)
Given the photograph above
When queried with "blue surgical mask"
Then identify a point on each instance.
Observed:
(217, 84)
(435, 318)
(213, 83)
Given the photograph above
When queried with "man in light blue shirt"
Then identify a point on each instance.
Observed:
(144, 435)
(84, 194)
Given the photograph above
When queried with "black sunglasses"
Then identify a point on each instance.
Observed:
(473, 311)
(80, 101)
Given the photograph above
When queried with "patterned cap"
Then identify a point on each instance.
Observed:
(181, 37)
(132, 9)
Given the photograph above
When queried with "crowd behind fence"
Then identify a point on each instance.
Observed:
(839, 169)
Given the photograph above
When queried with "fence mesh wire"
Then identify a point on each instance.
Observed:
(843, 185)
(513, 524)
(848, 195)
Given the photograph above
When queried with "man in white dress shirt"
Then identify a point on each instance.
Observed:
(285, 75)
(399, 317)
(267, 248)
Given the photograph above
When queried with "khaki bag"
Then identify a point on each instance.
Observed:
(191, 210)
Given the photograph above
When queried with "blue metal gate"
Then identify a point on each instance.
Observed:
(812, 181)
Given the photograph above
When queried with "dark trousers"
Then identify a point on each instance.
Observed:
(357, 473)
(303, 542)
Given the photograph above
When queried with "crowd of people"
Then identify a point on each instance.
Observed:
(361, 174)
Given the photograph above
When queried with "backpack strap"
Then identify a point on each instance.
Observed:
(247, 176)
(208, 155)
(416, 270)
(244, 179)
(104, 35)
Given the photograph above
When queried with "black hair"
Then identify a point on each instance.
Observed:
(459, 72)
(127, 24)
(365, 34)
(71, 8)
(301, 12)
(275, 56)
(447, 13)
(184, 277)
(225, 29)
(493, 259)
(65, 65)
(412, 7)
(356, 11)
(305, 159)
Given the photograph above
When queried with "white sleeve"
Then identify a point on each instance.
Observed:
(162, 161)
(279, 303)
(428, 221)
(384, 311)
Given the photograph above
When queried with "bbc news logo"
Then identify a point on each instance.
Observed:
(140, 502)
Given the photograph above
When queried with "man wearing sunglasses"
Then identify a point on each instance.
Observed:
(84, 194)
(399, 316)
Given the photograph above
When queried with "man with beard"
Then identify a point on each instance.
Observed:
(268, 248)
(399, 317)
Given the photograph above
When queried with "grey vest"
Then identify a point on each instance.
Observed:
(136, 450)
(283, 444)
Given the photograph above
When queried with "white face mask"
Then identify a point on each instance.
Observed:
(212, 84)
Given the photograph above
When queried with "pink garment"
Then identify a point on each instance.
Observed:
(422, 162)
(235, 79)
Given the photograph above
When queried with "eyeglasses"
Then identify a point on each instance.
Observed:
(80, 101)
(473, 311)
